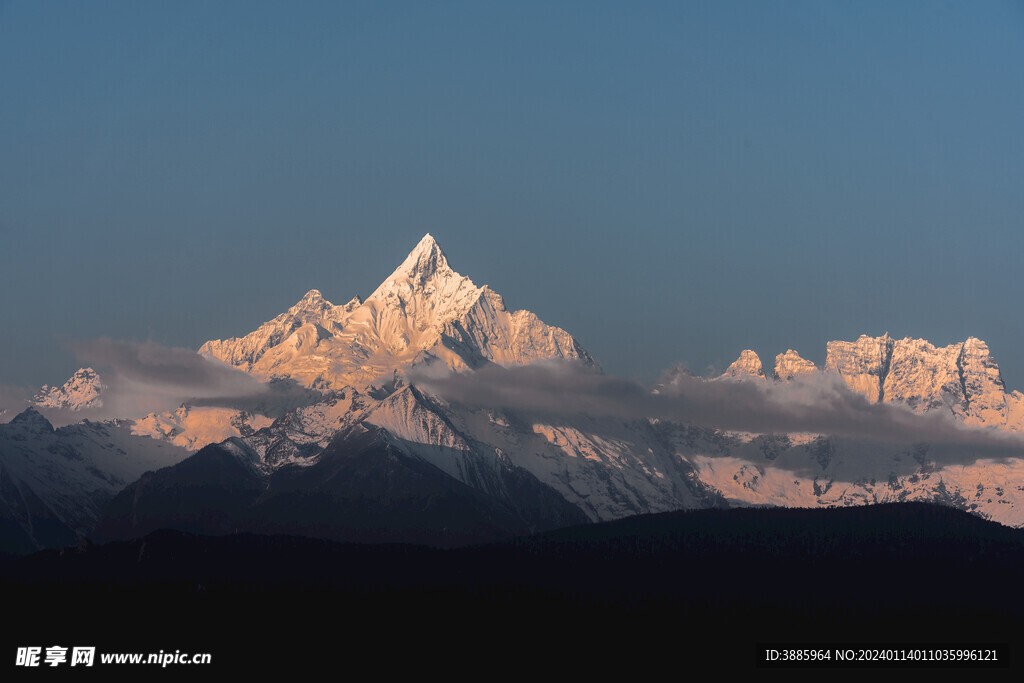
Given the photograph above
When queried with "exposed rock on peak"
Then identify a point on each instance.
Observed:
(982, 383)
(962, 378)
(312, 307)
(747, 365)
(82, 390)
(789, 365)
(863, 364)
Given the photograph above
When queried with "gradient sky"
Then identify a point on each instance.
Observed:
(669, 181)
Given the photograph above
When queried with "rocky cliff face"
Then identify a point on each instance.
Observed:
(82, 390)
(789, 365)
(863, 364)
(961, 378)
(986, 400)
(747, 365)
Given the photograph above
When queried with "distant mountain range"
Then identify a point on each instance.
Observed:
(375, 454)
(962, 379)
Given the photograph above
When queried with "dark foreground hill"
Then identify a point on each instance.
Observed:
(686, 587)
(364, 487)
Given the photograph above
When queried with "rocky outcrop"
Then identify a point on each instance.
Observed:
(924, 377)
(789, 365)
(961, 378)
(863, 364)
(82, 390)
(747, 365)
(982, 384)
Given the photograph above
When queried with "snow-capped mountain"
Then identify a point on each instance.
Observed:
(83, 390)
(191, 427)
(516, 469)
(789, 365)
(962, 379)
(423, 313)
(747, 365)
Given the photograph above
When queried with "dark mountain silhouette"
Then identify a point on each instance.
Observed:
(363, 488)
(685, 587)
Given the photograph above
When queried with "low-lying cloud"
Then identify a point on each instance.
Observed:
(142, 378)
(817, 404)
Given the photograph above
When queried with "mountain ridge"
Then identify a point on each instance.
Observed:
(962, 378)
(421, 314)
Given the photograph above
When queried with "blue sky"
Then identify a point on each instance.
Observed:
(670, 182)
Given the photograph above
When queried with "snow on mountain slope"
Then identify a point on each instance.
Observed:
(73, 470)
(193, 427)
(298, 331)
(608, 469)
(613, 470)
(863, 364)
(603, 468)
(298, 437)
(789, 365)
(769, 470)
(747, 365)
(814, 470)
(424, 312)
(450, 438)
(408, 416)
(82, 390)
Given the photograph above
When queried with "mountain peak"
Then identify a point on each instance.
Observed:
(863, 364)
(312, 304)
(423, 262)
(33, 420)
(424, 311)
(747, 365)
(789, 365)
(975, 343)
(82, 390)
